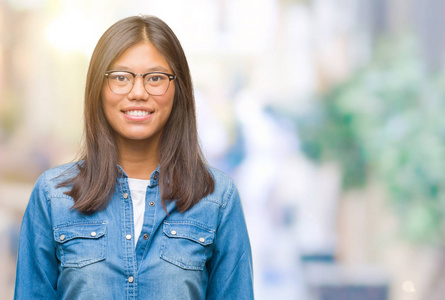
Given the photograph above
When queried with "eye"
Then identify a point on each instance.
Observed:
(155, 78)
(120, 77)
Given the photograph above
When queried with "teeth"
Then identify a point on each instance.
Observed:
(137, 113)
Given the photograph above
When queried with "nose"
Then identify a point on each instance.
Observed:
(138, 92)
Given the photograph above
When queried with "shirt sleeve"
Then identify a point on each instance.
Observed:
(230, 267)
(37, 272)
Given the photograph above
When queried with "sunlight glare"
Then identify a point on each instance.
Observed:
(73, 33)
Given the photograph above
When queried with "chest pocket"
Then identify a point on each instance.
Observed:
(186, 245)
(81, 244)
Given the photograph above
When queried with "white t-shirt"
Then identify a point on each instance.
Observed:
(138, 189)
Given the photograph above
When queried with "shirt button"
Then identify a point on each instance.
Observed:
(62, 237)
(173, 232)
(128, 236)
(125, 195)
(151, 203)
(130, 279)
(202, 240)
(155, 177)
(93, 234)
(145, 236)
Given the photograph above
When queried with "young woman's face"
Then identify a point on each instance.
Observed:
(137, 115)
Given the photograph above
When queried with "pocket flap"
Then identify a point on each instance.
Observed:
(86, 231)
(189, 231)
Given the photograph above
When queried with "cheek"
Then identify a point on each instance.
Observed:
(168, 101)
(167, 106)
(108, 110)
(108, 101)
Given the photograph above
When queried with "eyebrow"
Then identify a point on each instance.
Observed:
(152, 69)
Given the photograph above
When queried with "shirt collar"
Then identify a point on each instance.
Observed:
(154, 177)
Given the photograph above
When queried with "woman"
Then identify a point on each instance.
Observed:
(140, 216)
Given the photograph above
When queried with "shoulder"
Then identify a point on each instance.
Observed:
(62, 171)
(46, 188)
(51, 178)
(225, 187)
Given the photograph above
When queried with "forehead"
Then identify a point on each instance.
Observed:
(140, 58)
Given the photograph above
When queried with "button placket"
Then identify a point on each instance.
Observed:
(129, 253)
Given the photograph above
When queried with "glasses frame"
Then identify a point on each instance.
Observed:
(170, 78)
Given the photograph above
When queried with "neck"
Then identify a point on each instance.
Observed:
(138, 158)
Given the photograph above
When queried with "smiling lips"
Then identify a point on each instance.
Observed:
(137, 113)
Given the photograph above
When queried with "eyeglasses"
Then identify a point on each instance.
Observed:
(155, 83)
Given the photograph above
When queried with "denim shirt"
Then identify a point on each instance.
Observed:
(203, 253)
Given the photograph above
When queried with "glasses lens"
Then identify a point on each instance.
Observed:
(120, 82)
(156, 83)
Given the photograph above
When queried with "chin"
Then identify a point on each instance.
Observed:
(142, 136)
(138, 138)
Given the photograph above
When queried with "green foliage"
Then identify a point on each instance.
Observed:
(388, 121)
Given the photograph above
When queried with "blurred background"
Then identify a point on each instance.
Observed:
(327, 113)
